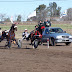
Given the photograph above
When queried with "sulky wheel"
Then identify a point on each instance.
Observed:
(35, 43)
(19, 43)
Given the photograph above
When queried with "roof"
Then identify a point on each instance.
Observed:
(51, 27)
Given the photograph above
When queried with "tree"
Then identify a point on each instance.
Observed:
(41, 12)
(19, 18)
(54, 10)
(58, 11)
(2, 16)
(40, 8)
(69, 14)
(42, 15)
(68, 17)
(50, 8)
(7, 19)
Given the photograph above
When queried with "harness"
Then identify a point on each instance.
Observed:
(42, 27)
(11, 35)
(38, 33)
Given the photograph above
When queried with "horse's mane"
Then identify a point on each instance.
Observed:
(12, 27)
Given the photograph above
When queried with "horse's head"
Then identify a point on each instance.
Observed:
(13, 27)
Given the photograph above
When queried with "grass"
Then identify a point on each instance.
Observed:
(29, 27)
(65, 27)
(20, 27)
(5, 27)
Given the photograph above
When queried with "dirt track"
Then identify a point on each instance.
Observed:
(55, 59)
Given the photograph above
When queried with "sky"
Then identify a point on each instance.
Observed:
(25, 7)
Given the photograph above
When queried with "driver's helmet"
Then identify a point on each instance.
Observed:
(25, 29)
(41, 24)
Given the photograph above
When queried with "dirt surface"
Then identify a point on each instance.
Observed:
(26, 59)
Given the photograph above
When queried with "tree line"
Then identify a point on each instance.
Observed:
(4, 18)
(53, 10)
(43, 11)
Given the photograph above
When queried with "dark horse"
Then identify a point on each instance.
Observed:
(35, 34)
(4, 35)
(31, 36)
(10, 36)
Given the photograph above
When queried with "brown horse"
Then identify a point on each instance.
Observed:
(32, 36)
(10, 36)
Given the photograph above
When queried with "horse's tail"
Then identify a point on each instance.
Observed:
(3, 34)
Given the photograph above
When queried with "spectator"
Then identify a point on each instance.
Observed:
(47, 23)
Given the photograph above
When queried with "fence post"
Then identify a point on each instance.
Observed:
(48, 42)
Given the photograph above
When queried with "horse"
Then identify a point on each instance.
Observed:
(9, 36)
(31, 36)
(35, 34)
(4, 35)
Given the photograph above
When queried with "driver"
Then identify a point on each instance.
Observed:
(25, 34)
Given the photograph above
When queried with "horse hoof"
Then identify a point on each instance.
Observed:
(30, 44)
(8, 47)
(19, 47)
(33, 47)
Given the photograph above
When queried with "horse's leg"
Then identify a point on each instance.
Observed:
(16, 41)
(0, 38)
(32, 39)
(8, 42)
